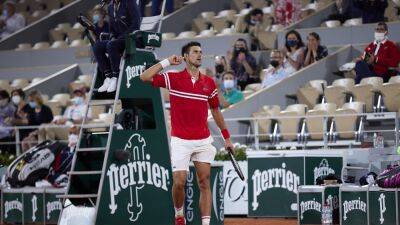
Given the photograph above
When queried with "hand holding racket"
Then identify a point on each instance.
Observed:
(235, 163)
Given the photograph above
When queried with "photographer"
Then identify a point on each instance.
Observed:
(378, 57)
(243, 64)
(124, 19)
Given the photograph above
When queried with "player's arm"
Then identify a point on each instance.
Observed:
(147, 75)
(219, 120)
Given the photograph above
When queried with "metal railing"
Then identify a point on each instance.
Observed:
(303, 136)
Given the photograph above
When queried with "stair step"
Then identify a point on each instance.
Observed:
(94, 172)
(101, 102)
(77, 196)
(99, 149)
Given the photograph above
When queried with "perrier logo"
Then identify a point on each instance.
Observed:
(133, 71)
(135, 175)
(322, 170)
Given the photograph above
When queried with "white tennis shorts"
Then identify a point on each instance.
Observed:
(183, 151)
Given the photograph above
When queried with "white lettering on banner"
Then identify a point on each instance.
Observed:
(152, 37)
(10, 205)
(189, 197)
(382, 207)
(236, 199)
(134, 71)
(349, 206)
(53, 206)
(34, 207)
(309, 205)
(333, 201)
(273, 178)
(322, 170)
(135, 174)
(219, 179)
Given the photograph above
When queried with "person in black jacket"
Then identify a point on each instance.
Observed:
(373, 11)
(124, 18)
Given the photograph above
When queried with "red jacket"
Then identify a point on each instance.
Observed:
(388, 56)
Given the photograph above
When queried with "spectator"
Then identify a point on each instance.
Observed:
(378, 57)
(7, 111)
(345, 10)
(73, 137)
(293, 51)
(253, 24)
(40, 114)
(373, 11)
(74, 114)
(22, 111)
(156, 7)
(230, 93)
(276, 71)
(287, 11)
(243, 64)
(221, 66)
(10, 21)
(314, 50)
(101, 25)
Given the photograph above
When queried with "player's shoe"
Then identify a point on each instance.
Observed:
(180, 220)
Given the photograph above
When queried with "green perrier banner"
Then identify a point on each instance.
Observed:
(138, 190)
(192, 211)
(12, 205)
(382, 206)
(353, 205)
(322, 166)
(272, 185)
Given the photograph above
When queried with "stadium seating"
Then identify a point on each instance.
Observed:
(315, 120)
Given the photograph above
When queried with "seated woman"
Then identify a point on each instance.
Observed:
(314, 50)
(293, 51)
(40, 114)
(229, 94)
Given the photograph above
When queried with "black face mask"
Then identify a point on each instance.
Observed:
(275, 63)
(219, 68)
(238, 50)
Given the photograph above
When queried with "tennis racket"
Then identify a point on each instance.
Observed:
(235, 164)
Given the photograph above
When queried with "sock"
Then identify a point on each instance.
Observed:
(179, 212)
(115, 74)
(205, 220)
(107, 73)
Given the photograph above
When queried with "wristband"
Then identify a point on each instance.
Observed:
(225, 133)
(165, 63)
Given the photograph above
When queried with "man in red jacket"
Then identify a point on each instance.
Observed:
(380, 58)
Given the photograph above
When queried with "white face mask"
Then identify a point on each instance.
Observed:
(379, 36)
(229, 84)
(16, 99)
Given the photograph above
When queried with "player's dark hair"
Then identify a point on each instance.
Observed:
(186, 48)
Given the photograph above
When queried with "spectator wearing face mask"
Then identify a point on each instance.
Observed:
(7, 111)
(10, 21)
(379, 57)
(293, 51)
(39, 114)
(22, 111)
(314, 50)
(276, 71)
(373, 11)
(73, 137)
(74, 114)
(253, 24)
(229, 93)
(221, 66)
(287, 11)
(98, 18)
(243, 64)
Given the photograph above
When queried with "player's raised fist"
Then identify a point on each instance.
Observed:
(175, 60)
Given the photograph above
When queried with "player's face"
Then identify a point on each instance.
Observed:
(194, 56)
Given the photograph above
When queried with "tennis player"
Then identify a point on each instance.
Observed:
(191, 95)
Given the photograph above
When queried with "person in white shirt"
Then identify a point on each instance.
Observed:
(74, 114)
(10, 21)
(276, 71)
(293, 52)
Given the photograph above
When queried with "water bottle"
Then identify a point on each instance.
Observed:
(326, 215)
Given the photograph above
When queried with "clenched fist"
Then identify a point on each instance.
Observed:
(175, 60)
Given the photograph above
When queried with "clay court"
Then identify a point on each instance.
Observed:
(260, 221)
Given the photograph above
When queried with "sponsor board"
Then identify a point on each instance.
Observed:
(353, 206)
(192, 194)
(382, 206)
